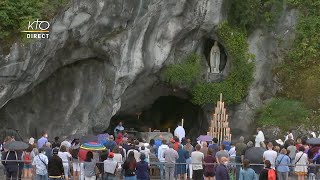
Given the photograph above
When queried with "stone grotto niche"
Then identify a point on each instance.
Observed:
(209, 45)
(164, 113)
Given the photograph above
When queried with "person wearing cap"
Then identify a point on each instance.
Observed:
(110, 167)
(40, 162)
(55, 166)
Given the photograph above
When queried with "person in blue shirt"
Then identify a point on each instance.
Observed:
(214, 146)
(227, 143)
(247, 173)
(282, 164)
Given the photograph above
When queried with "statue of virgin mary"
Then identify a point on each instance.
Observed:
(215, 58)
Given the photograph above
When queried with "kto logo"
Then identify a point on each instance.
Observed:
(38, 30)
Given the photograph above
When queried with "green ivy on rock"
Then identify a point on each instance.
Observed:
(187, 73)
(300, 72)
(235, 87)
(251, 14)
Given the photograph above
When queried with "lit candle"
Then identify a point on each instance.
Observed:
(182, 122)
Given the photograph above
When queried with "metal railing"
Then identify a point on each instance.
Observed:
(155, 169)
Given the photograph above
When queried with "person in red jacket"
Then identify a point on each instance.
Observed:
(119, 139)
(176, 143)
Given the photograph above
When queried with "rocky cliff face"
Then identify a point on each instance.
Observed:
(106, 55)
(75, 80)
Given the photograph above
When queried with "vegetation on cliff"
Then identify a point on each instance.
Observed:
(187, 73)
(15, 15)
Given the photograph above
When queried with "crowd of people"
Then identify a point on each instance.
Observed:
(176, 158)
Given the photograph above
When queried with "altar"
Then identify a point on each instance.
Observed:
(147, 136)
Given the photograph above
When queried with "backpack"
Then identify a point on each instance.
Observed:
(74, 153)
(27, 158)
(272, 174)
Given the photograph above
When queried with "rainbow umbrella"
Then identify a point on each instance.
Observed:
(93, 146)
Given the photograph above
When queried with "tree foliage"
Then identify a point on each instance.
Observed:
(15, 15)
(283, 113)
(300, 72)
(250, 14)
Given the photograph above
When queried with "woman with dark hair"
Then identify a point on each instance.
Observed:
(27, 157)
(89, 167)
(152, 146)
(247, 173)
(209, 166)
(264, 173)
(181, 168)
(129, 167)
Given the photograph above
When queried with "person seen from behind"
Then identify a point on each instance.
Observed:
(40, 162)
(27, 157)
(247, 173)
(142, 168)
(301, 162)
(89, 167)
(282, 164)
(209, 170)
(222, 170)
(129, 167)
(181, 168)
(66, 159)
(55, 166)
(110, 168)
(267, 171)
(197, 158)
(170, 155)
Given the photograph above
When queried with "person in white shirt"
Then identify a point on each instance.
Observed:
(162, 160)
(41, 162)
(197, 158)
(270, 155)
(117, 156)
(180, 132)
(110, 167)
(287, 136)
(259, 137)
(66, 158)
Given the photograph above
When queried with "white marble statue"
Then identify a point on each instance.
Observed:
(215, 58)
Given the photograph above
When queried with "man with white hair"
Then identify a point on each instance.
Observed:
(48, 150)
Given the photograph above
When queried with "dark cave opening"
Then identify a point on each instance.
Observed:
(164, 113)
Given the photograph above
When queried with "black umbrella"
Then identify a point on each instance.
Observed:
(16, 145)
(88, 138)
(255, 155)
(313, 141)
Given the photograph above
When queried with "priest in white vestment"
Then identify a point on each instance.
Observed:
(180, 132)
(259, 138)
